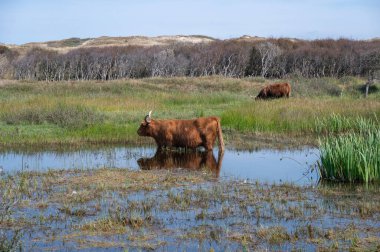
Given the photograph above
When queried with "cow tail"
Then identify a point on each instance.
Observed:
(220, 136)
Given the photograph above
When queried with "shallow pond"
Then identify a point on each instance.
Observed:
(265, 165)
(123, 208)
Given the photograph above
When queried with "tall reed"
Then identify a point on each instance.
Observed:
(336, 123)
(353, 156)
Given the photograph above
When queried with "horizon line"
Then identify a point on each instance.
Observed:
(199, 35)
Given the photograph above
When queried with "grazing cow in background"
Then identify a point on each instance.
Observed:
(183, 133)
(276, 90)
(192, 160)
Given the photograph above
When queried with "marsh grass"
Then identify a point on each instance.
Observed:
(274, 234)
(186, 211)
(336, 123)
(63, 115)
(319, 87)
(11, 244)
(110, 112)
(351, 157)
(301, 116)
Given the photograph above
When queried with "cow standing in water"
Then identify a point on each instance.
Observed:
(183, 133)
(276, 90)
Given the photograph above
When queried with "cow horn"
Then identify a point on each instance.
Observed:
(147, 117)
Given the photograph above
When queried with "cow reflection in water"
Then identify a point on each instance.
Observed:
(192, 160)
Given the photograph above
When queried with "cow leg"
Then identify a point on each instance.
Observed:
(208, 147)
(209, 143)
(159, 144)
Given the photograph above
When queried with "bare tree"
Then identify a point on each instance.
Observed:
(275, 58)
(371, 64)
(268, 52)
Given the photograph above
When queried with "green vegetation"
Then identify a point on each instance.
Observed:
(298, 115)
(159, 209)
(335, 124)
(353, 156)
(10, 244)
(63, 115)
(42, 113)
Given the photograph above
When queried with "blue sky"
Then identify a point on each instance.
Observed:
(23, 21)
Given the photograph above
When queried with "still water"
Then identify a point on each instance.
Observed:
(265, 165)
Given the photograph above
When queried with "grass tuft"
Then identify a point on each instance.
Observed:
(353, 156)
(336, 123)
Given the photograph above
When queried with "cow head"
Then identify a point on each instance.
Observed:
(145, 128)
(262, 94)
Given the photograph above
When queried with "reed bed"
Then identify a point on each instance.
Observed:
(336, 123)
(354, 156)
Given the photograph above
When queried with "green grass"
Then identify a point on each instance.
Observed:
(91, 111)
(336, 123)
(354, 156)
(300, 116)
(63, 115)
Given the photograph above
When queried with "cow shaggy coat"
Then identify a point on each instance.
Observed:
(183, 133)
(276, 90)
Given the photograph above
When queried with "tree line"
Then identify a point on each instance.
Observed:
(273, 58)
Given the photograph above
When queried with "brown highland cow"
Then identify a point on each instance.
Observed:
(276, 90)
(183, 133)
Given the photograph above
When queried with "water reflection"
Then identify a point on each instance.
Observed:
(192, 160)
(265, 165)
